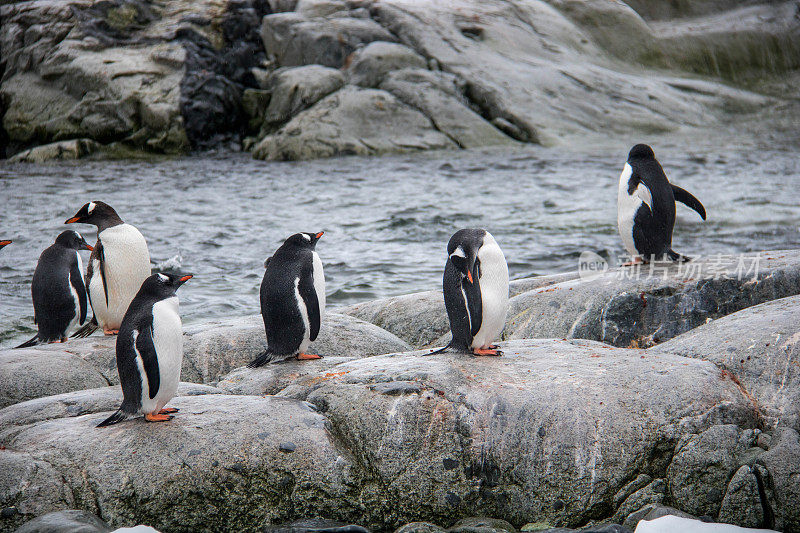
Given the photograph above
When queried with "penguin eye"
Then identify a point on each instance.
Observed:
(91, 207)
(306, 236)
(163, 278)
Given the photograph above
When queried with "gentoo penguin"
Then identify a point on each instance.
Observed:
(4, 243)
(292, 299)
(117, 267)
(150, 350)
(646, 207)
(475, 286)
(59, 296)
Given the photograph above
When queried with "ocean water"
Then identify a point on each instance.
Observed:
(386, 219)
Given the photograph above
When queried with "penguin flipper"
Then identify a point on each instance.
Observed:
(685, 197)
(87, 329)
(262, 359)
(34, 341)
(472, 291)
(116, 418)
(309, 295)
(145, 348)
(76, 280)
(102, 256)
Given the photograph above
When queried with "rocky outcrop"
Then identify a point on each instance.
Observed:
(157, 77)
(760, 347)
(352, 121)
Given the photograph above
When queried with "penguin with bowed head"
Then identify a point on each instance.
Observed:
(117, 267)
(150, 351)
(3, 244)
(475, 287)
(59, 295)
(292, 299)
(646, 208)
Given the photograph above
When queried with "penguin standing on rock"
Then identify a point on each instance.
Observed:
(150, 351)
(292, 299)
(117, 267)
(4, 243)
(475, 289)
(646, 208)
(59, 296)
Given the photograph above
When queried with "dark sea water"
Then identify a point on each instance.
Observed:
(386, 220)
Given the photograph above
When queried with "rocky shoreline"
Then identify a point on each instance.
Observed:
(301, 79)
(563, 431)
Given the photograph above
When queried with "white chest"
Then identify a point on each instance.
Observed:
(628, 205)
(168, 342)
(494, 292)
(319, 284)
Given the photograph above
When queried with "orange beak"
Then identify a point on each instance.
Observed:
(71, 220)
(186, 278)
(4, 243)
(89, 247)
(320, 234)
(469, 276)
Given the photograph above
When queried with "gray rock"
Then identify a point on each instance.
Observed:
(294, 40)
(419, 318)
(421, 89)
(629, 307)
(518, 286)
(419, 527)
(742, 502)
(315, 525)
(651, 511)
(217, 465)
(782, 461)
(582, 415)
(216, 348)
(73, 521)
(703, 466)
(295, 89)
(653, 493)
(74, 149)
(482, 525)
(760, 346)
(77, 403)
(276, 378)
(29, 488)
(35, 372)
(372, 63)
(352, 121)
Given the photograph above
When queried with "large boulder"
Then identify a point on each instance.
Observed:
(74, 149)
(295, 39)
(782, 461)
(224, 462)
(352, 121)
(760, 347)
(295, 89)
(213, 349)
(641, 306)
(372, 63)
(552, 430)
(72, 521)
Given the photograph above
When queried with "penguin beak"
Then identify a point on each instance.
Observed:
(72, 220)
(469, 276)
(184, 279)
(320, 234)
(88, 246)
(4, 243)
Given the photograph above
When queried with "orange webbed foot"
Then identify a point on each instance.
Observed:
(307, 356)
(487, 351)
(635, 261)
(110, 331)
(150, 417)
(168, 410)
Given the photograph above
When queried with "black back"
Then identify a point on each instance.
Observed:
(57, 272)
(462, 299)
(652, 228)
(136, 335)
(283, 322)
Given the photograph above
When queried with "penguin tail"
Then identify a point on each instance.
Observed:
(262, 359)
(32, 342)
(116, 418)
(86, 330)
(675, 256)
(440, 350)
